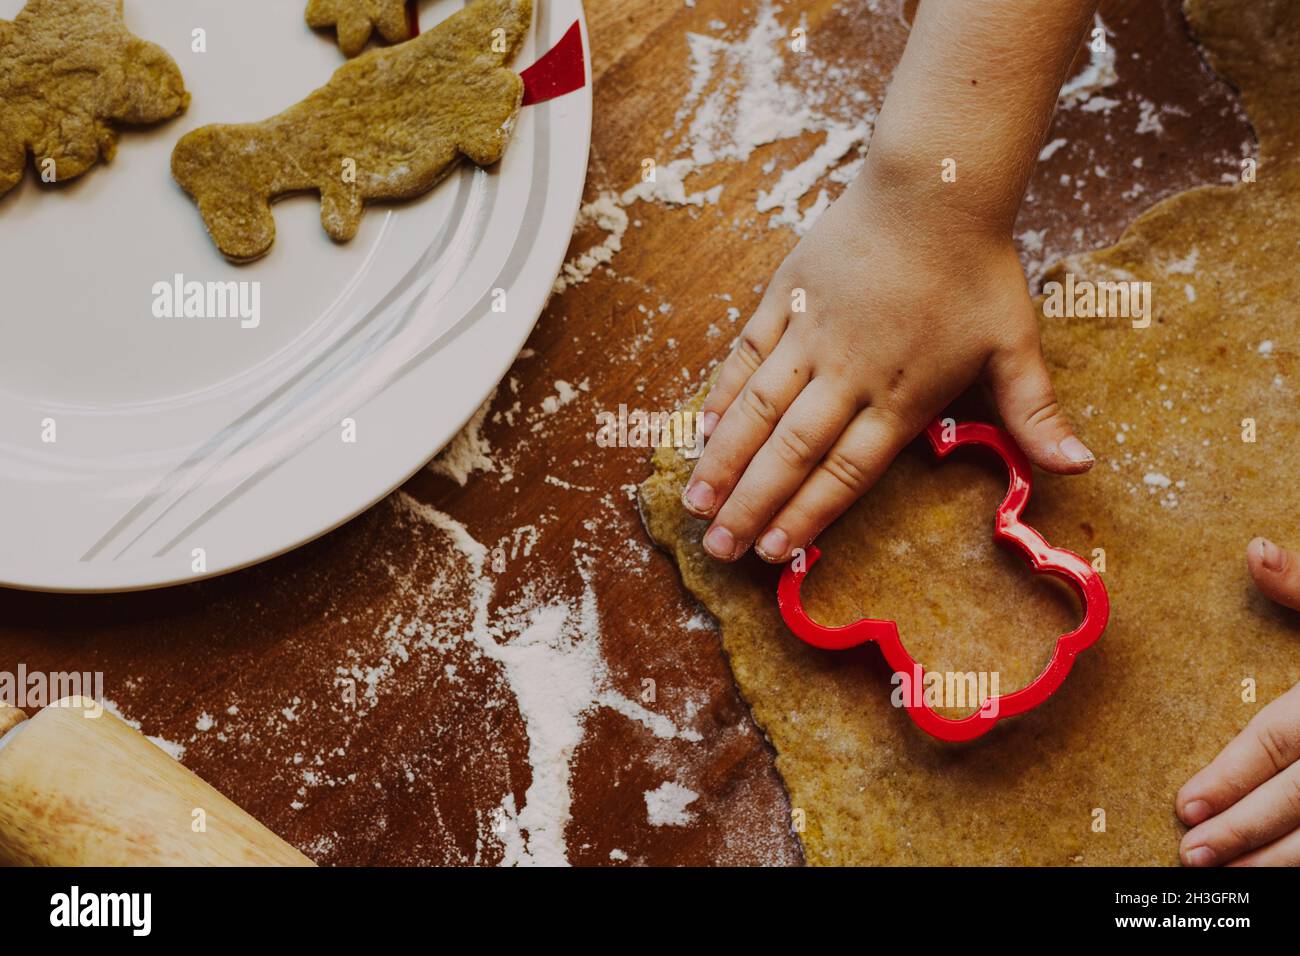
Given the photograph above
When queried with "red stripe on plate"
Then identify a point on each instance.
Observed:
(562, 69)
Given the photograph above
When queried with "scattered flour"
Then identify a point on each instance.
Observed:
(1099, 74)
(666, 805)
(170, 747)
(605, 213)
(744, 94)
(1185, 266)
(1048, 151)
(785, 195)
(469, 451)
(1099, 104)
(1149, 118)
(564, 394)
(556, 671)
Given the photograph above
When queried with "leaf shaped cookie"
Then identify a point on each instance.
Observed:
(355, 20)
(70, 72)
(388, 126)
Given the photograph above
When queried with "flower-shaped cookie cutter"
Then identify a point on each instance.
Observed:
(946, 435)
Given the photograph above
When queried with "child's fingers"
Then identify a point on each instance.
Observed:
(806, 432)
(1283, 852)
(1269, 744)
(1027, 402)
(855, 462)
(758, 339)
(743, 429)
(1268, 812)
(1276, 571)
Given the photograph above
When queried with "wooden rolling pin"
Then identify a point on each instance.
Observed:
(78, 790)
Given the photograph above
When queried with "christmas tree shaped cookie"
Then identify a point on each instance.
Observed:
(388, 126)
(70, 73)
(355, 20)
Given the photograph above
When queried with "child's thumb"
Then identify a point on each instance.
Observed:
(1025, 399)
(1276, 571)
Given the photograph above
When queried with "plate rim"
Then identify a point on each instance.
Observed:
(125, 576)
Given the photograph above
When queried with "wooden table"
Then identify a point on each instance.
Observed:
(245, 671)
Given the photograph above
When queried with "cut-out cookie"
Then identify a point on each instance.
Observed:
(388, 126)
(70, 71)
(355, 20)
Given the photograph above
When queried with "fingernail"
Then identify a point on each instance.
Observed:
(699, 497)
(1199, 856)
(1075, 450)
(708, 423)
(1270, 554)
(772, 546)
(1197, 811)
(720, 542)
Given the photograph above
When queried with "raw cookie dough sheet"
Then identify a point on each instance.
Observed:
(1176, 494)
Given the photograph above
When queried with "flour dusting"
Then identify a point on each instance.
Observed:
(170, 747)
(555, 671)
(1099, 74)
(469, 451)
(606, 214)
(666, 805)
(744, 93)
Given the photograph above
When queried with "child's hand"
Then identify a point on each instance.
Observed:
(902, 315)
(909, 287)
(1244, 808)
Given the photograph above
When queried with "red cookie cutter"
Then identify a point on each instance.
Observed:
(945, 435)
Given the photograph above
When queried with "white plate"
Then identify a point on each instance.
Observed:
(179, 439)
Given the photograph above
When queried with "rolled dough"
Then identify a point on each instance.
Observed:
(1177, 493)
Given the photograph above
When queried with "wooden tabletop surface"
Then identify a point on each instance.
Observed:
(416, 762)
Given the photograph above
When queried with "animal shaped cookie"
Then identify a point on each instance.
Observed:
(355, 20)
(70, 72)
(388, 126)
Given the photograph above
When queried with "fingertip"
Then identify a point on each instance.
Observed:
(708, 422)
(1196, 856)
(1264, 557)
(721, 544)
(699, 498)
(1193, 811)
(773, 546)
(1022, 388)
(1064, 466)
(1076, 452)
(1274, 571)
(1069, 456)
